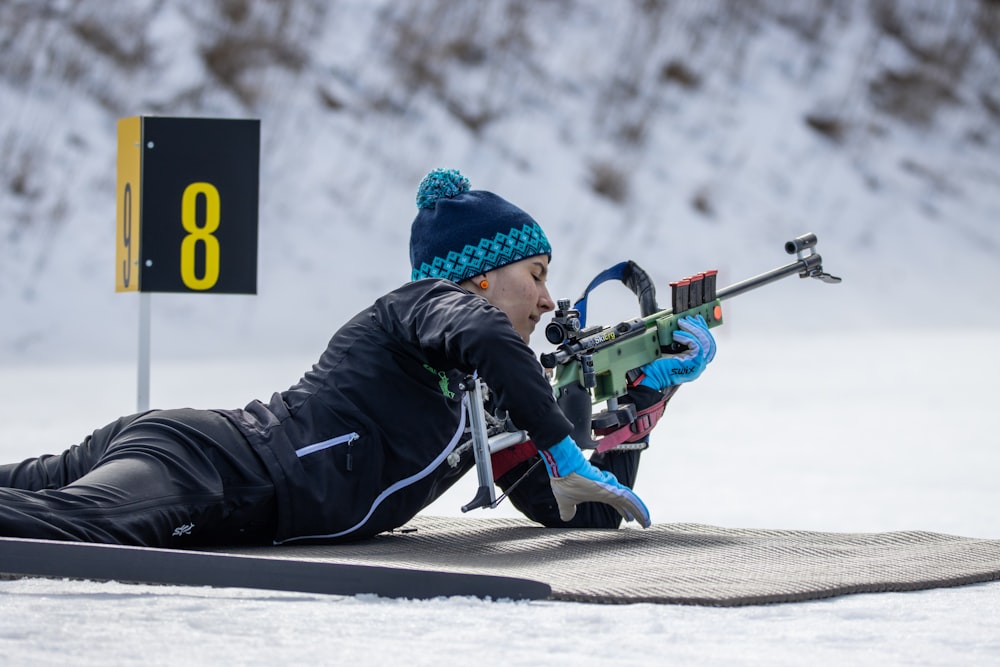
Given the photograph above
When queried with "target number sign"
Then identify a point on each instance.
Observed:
(187, 193)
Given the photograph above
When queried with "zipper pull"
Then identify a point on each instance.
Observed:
(350, 459)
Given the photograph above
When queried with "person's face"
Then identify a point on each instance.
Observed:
(519, 290)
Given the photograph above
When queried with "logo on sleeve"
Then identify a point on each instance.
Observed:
(442, 381)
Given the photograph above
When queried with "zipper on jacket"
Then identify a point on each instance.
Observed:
(347, 438)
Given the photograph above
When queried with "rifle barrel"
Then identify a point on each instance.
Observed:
(802, 266)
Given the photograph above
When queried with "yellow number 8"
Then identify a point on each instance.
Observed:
(204, 234)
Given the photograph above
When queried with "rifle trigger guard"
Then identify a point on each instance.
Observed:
(624, 415)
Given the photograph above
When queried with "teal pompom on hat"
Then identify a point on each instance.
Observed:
(460, 233)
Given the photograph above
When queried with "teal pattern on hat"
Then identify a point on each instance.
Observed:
(502, 249)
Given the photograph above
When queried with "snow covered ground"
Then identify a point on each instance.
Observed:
(868, 406)
(877, 431)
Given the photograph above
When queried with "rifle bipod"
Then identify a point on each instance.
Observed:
(488, 434)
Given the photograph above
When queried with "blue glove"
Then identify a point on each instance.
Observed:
(687, 365)
(575, 480)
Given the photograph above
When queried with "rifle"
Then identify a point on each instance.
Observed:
(594, 364)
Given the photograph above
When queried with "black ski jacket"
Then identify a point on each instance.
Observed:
(361, 443)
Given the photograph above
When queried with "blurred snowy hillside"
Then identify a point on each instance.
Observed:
(683, 134)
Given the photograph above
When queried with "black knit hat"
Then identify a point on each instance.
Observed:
(459, 233)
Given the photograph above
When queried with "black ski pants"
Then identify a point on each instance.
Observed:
(165, 478)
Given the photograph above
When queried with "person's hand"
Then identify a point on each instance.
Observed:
(687, 365)
(575, 480)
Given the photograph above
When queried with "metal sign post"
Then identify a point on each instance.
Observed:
(145, 331)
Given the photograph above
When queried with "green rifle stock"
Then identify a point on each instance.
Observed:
(592, 365)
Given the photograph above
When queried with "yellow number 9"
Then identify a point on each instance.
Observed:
(203, 233)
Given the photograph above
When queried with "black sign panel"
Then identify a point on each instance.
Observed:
(199, 205)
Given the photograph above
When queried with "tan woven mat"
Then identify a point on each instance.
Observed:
(674, 563)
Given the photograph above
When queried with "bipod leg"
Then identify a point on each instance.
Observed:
(486, 495)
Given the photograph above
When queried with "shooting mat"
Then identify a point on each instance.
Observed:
(673, 563)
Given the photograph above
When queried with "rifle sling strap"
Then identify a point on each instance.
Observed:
(506, 459)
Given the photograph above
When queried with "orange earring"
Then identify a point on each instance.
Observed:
(484, 283)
